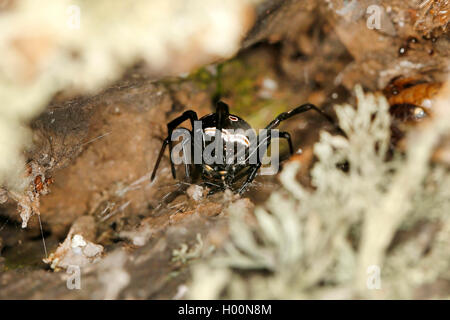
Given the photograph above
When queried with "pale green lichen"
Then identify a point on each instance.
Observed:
(323, 243)
(198, 250)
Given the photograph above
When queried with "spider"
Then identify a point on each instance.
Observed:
(222, 125)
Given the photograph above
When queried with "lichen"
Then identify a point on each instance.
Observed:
(325, 242)
(79, 45)
(184, 253)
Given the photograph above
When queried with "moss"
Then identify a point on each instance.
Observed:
(241, 82)
(20, 259)
(204, 79)
(238, 81)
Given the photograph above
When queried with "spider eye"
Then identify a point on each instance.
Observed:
(208, 168)
(223, 173)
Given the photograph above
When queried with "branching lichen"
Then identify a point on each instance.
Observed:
(323, 243)
(184, 254)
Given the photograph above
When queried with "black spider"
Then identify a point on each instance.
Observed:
(224, 175)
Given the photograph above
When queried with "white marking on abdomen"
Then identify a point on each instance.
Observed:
(228, 136)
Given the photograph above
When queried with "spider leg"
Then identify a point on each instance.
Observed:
(187, 115)
(241, 174)
(161, 152)
(213, 187)
(186, 152)
(281, 117)
(222, 113)
(215, 190)
(300, 109)
(253, 168)
(251, 176)
(251, 173)
(287, 136)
